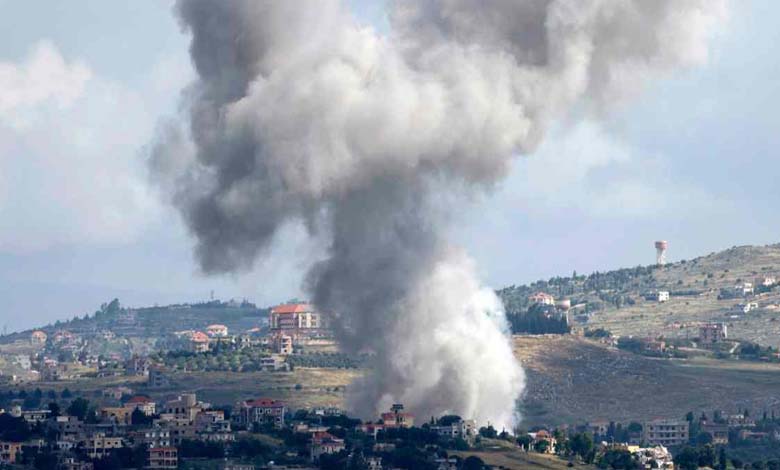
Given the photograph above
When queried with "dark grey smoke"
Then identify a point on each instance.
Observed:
(299, 113)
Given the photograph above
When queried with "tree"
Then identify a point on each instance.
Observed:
(55, 409)
(473, 463)
(687, 459)
(581, 444)
(488, 432)
(79, 408)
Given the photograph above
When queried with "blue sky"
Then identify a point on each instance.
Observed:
(693, 160)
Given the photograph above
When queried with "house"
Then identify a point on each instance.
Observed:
(142, 403)
(35, 416)
(186, 406)
(396, 418)
(719, 432)
(740, 421)
(156, 436)
(163, 458)
(747, 435)
(158, 377)
(116, 414)
(767, 281)
(713, 333)
(299, 320)
(116, 393)
(282, 344)
(273, 363)
(665, 432)
(541, 298)
(98, 445)
(598, 428)
(325, 443)
(746, 288)
(544, 440)
(67, 428)
(658, 296)
(657, 457)
(747, 307)
(137, 366)
(10, 452)
(217, 331)
(199, 342)
(374, 463)
(457, 429)
(38, 337)
(260, 411)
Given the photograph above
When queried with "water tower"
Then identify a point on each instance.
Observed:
(660, 252)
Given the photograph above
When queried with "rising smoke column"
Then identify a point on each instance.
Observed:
(299, 113)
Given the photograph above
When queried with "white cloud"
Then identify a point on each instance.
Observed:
(70, 164)
(587, 170)
(44, 77)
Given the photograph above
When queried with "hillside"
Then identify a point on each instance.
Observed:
(614, 300)
(572, 379)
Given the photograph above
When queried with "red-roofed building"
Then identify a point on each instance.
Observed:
(199, 342)
(541, 298)
(325, 443)
(217, 331)
(143, 403)
(261, 411)
(297, 320)
(396, 418)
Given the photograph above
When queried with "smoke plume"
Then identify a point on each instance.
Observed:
(300, 113)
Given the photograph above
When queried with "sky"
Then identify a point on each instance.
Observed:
(84, 86)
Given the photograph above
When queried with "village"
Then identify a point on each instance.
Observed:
(125, 427)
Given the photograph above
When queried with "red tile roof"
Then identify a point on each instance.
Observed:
(199, 337)
(140, 399)
(292, 308)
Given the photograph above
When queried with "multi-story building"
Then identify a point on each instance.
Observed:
(199, 342)
(163, 458)
(541, 298)
(186, 406)
(158, 377)
(38, 337)
(10, 452)
(142, 403)
(298, 320)
(282, 344)
(665, 432)
(397, 418)
(713, 333)
(325, 443)
(116, 414)
(155, 436)
(98, 445)
(459, 429)
(217, 331)
(261, 411)
(67, 428)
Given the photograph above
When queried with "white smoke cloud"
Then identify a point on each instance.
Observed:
(301, 113)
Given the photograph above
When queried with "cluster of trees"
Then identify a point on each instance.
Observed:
(539, 319)
(329, 360)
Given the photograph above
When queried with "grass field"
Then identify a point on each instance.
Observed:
(573, 380)
(501, 454)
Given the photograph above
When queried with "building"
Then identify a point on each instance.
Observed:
(155, 436)
(10, 452)
(260, 411)
(163, 458)
(299, 320)
(142, 403)
(116, 414)
(746, 288)
(199, 342)
(282, 344)
(768, 281)
(713, 333)
(116, 393)
(186, 406)
(719, 432)
(740, 421)
(38, 337)
(158, 377)
(325, 443)
(98, 445)
(665, 432)
(458, 429)
(657, 457)
(544, 440)
(273, 363)
(137, 366)
(396, 418)
(217, 331)
(67, 428)
(35, 416)
(541, 298)
(449, 463)
(658, 296)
